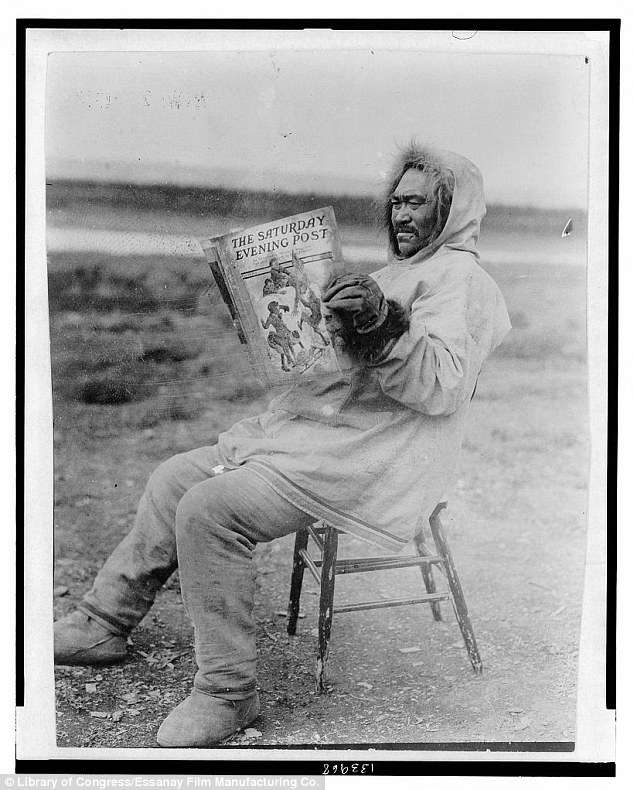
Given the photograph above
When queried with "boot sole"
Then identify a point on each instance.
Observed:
(89, 661)
(218, 741)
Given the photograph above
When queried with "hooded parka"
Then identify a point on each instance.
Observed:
(371, 451)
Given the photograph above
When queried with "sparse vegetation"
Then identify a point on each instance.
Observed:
(111, 386)
(117, 338)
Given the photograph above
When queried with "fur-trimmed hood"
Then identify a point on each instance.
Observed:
(462, 226)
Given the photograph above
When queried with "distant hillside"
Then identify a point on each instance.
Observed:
(205, 202)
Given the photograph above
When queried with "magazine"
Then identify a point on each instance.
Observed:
(272, 278)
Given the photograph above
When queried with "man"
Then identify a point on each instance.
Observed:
(369, 451)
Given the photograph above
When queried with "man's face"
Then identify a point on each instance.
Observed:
(413, 211)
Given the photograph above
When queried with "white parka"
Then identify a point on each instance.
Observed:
(371, 451)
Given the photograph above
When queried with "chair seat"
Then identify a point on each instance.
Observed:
(327, 567)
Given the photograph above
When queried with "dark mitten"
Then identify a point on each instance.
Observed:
(357, 297)
(371, 348)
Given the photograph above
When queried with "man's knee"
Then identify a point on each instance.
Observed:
(168, 482)
(199, 502)
(213, 504)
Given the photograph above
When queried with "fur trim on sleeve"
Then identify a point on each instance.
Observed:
(373, 347)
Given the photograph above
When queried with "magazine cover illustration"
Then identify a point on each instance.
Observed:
(272, 278)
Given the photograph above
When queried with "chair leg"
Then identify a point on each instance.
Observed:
(326, 602)
(428, 577)
(297, 577)
(458, 599)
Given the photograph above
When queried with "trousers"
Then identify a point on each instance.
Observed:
(208, 525)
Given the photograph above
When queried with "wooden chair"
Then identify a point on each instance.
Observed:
(327, 567)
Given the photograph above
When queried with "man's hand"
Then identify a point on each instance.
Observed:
(358, 297)
(362, 318)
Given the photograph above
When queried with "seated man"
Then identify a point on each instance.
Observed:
(370, 451)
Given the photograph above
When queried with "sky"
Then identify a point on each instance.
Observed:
(298, 120)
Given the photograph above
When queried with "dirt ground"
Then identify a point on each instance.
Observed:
(515, 523)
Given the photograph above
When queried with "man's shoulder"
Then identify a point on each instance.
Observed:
(445, 265)
(452, 266)
(381, 272)
(461, 263)
(465, 272)
(460, 260)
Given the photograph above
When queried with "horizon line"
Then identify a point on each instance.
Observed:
(325, 193)
(168, 175)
